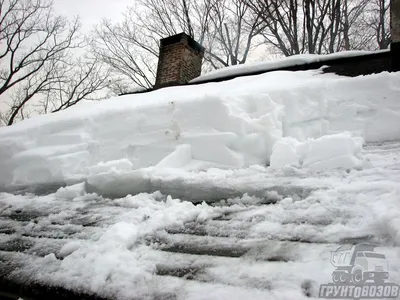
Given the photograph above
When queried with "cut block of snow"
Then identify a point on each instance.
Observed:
(376, 131)
(117, 165)
(325, 153)
(72, 191)
(69, 248)
(284, 152)
(328, 147)
(179, 158)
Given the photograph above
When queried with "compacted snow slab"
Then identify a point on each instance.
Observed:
(325, 153)
(227, 125)
(153, 246)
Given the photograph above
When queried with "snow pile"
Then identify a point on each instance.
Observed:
(228, 125)
(325, 153)
(291, 61)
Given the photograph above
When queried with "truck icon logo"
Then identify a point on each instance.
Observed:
(360, 273)
(359, 263)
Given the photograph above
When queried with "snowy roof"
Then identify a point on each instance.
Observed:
(236, 190)
(266, 66)
(308, 61)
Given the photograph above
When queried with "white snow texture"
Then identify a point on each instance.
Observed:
(233, 124)
(325, 153)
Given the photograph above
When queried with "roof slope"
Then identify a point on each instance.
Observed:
(304, 61)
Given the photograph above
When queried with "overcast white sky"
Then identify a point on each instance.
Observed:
(92, 11)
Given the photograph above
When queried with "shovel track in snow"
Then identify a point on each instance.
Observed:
(205, 252)
(204, 248)
(215, 244)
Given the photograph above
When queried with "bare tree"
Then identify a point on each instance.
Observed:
(35, 54)
(234, 28)
(377, 20)
(31, 37)
(123, 48)
(82, 79)
(225, 28)
(299, 26)
(29, 88)
(326, 26)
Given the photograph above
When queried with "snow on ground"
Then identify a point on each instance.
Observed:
(152, 246)
(227, 125)
(294, 60)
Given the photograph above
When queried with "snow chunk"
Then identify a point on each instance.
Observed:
(180, 157)
(328, 152)
(72, 191)
(285, 153)
(117, 165)
(69, 248)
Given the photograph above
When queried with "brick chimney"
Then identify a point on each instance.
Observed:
(395, 32)
(179, 60)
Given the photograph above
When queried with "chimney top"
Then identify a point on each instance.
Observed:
(179, 61)
(181, 37)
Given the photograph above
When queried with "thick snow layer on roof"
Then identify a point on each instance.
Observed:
(230, 125)
(295, 60)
